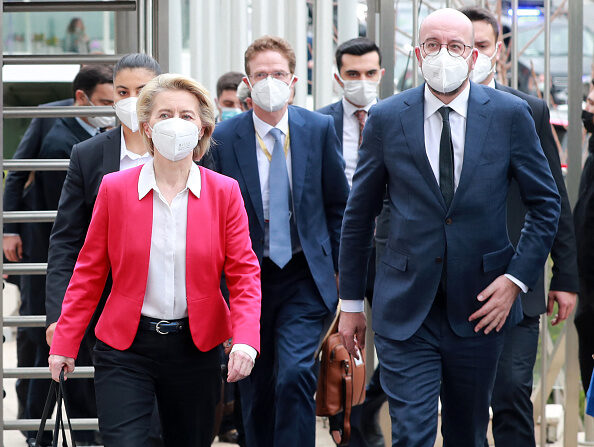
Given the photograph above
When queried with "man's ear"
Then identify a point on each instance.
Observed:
(246, 81)
(418, 54)
(338, 80)
(80, 98)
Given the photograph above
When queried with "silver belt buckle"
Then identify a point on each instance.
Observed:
(159, 330)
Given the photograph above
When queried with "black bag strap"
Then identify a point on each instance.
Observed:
(56, 391)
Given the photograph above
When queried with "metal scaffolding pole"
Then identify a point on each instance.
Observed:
(323, 49)
(2, 425)
(348, 25)
(387, 45)
(514, 51)
(175, 36)
(547, 59)
(574, 162)
(296, 34)
(415, 42)
(239, 28)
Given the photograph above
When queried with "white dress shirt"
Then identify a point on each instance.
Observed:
(432, 126)
(165, 295)
(350, 137)
(129, 159)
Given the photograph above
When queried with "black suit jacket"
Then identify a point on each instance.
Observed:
(89, 162)
(17, 197)
(563, 252)
(58, 143)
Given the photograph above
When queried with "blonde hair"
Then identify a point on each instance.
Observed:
(170, 81)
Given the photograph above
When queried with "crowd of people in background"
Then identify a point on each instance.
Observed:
(197, 236)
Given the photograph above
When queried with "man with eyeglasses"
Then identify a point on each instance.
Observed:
(448, 283)
(288, 164)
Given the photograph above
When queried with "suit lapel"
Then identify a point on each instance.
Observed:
(77, 130)
(142, 230)
(338, 114)
(412, 119)
(477, 124)
(198, 237)
(299, 154)
(112, 147)
(245, 152)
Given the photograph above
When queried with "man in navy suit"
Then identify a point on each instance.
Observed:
(288, 165)
(358, 62)
(449, 278)
(513, 419)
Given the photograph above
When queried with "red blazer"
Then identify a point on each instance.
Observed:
(119, 238)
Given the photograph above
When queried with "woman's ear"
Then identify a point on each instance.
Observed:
(147, 130)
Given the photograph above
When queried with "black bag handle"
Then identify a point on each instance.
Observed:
(56, 391)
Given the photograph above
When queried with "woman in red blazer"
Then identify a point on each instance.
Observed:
(166, 230)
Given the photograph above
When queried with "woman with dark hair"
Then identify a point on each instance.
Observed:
(76, 40)
(166, 231)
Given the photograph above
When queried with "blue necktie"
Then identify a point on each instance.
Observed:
(279, 229)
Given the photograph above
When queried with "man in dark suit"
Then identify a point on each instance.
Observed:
(513, 420)
(449, 279)
(288, 165)
(583, 214)
(20, 244)
(358, 62)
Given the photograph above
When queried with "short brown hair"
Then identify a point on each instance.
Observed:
(169, 81)
(270, 43)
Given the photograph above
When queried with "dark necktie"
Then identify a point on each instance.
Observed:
(446, 158)
(361, 116)
(279, 229)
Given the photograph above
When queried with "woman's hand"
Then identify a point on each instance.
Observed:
(240, 366)
(57, 363)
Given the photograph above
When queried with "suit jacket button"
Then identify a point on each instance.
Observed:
(449, 221)
(438, 260)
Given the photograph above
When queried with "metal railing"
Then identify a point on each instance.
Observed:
(146, 43)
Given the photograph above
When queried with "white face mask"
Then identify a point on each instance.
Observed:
(100, 122)
(443, 72)
(126, 112)
(271, 94)
(175, 138)
(483, 67)
(360, 92)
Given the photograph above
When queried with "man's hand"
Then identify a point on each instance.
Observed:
(351, 326)
(565, 303)
(499, 297)
(57, 363)
(13, 248)
(239, 367)
(49, 333)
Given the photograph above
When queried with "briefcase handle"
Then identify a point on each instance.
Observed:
(56, 390)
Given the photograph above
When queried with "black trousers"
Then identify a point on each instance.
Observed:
(513, 423)
(169, 368)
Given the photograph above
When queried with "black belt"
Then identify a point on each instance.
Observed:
(163, 327)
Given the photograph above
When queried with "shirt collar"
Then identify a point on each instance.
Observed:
(147, 181)
(124, 149)
(350, 109)
(86, 126)
(459, 104)
(492, 83)
(263, 128)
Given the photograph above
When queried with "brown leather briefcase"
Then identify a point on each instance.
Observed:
(341, 383)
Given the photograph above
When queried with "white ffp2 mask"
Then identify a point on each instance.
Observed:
(271, 94)
(175, 138)
(444, 72)
(360, 92)
(483, 67)
(126, 112)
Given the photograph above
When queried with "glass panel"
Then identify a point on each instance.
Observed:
(58, 32)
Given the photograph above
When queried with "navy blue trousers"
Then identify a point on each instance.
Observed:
(435, 360)
(277, 398)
